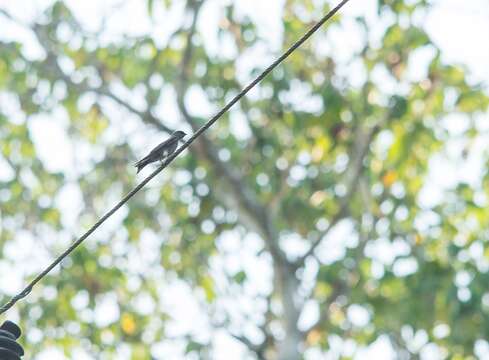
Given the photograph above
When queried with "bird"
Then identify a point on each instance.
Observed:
(162, 151)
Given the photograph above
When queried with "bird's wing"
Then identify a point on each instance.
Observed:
(171, 148)
(162, 146)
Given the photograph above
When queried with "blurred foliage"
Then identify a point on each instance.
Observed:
(302, 161)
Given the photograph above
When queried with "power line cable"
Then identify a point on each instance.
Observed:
(199, 132)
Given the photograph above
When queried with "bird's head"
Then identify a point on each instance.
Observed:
(178, 134)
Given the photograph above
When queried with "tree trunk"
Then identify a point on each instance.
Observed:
(288, 284)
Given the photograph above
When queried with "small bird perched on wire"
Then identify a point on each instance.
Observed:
(162, 151)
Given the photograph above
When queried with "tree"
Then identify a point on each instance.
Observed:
(319, 174)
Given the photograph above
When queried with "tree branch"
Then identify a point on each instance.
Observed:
(102, 90)
(339, 288)
(257, 349)
(360, 152)
(251, 212)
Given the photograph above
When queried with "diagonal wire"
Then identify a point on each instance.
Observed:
(199, 132)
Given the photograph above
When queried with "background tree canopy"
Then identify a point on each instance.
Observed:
(305, 223)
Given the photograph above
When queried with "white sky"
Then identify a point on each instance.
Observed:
(460, 28)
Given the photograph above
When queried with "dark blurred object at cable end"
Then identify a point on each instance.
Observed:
(9, 348)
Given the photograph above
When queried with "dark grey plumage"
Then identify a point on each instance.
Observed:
(162, 151)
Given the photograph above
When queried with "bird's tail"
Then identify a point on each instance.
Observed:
(141, 164)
